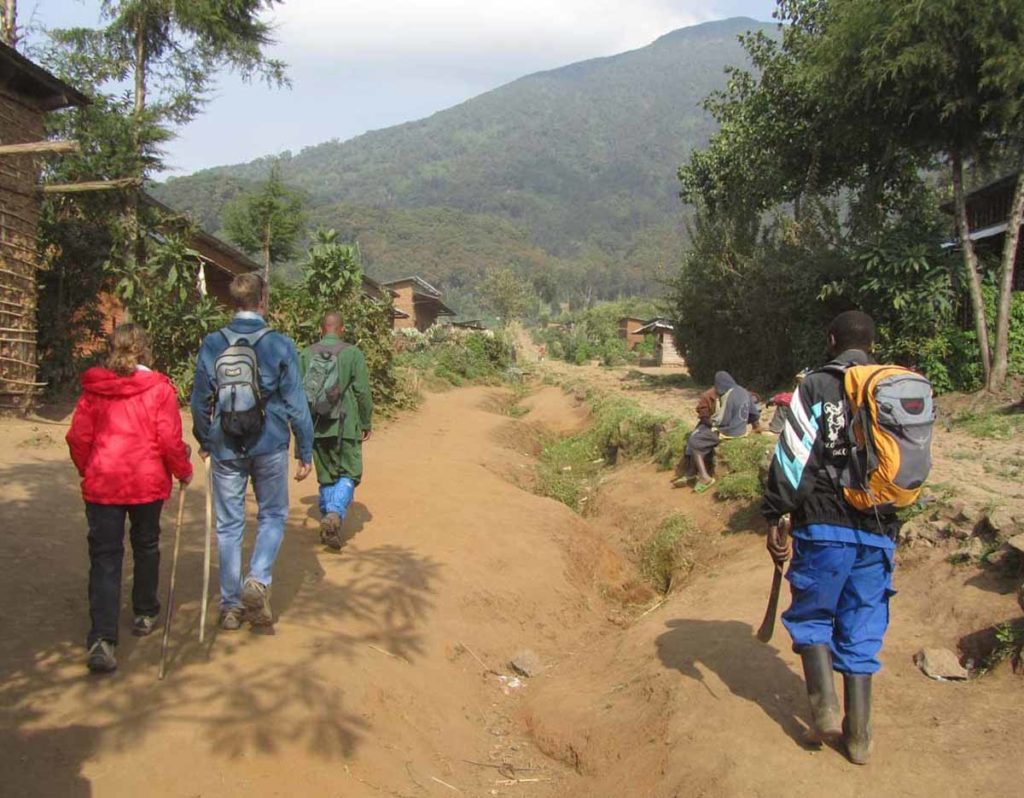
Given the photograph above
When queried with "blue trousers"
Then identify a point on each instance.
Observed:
(840, 599)
(336, 498)
(269, 475)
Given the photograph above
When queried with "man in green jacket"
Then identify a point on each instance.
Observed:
(341, 422)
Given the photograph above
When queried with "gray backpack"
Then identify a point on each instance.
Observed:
(237, 379)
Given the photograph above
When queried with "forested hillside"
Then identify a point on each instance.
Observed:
(572, 169)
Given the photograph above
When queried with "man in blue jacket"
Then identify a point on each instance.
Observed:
(261, 457)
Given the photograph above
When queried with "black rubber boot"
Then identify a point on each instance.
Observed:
(857, 723)
(821, 690)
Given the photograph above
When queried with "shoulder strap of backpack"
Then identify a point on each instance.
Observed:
(233, 337)
(330, 349)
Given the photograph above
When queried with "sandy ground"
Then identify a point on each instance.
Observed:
(383, 675)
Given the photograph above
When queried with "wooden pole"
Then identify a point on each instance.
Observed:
(31, 147)
(89, 185)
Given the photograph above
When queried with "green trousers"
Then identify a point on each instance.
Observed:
(334, 459)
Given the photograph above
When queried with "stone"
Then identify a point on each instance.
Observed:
(1001, 557)
(1016, 542)
(1001, 524)
(960, 512)
(940, 664)
(526, 663)
(971, 550)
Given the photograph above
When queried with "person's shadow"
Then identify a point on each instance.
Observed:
(358, 517)
(749, 668)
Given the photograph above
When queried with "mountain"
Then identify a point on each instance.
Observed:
(573, 170)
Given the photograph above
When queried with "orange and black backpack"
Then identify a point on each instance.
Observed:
(891, 414)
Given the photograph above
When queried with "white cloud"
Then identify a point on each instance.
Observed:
(544, 32)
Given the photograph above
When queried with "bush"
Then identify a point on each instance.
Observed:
(461, 357)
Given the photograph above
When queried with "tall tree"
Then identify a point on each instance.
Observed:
(268, 221)
(944, 78)
(169, 52)
(507, 295)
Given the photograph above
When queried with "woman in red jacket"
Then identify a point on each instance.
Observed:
(125, 440)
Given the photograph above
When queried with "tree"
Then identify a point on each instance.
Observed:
(943, 78)
(859, 99)
(268, 220)
(169, 52)
(507, 295)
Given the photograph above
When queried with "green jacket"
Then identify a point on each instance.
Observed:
(357, 401)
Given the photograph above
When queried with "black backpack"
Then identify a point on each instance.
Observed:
(237, 379)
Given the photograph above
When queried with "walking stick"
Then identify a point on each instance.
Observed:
(206, 550)
(170, 587)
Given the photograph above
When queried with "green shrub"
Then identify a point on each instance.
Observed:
(461, 358)
(664, 553)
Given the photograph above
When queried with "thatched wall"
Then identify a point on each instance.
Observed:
(19, 218)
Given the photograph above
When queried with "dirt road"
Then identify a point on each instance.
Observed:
(378, 682)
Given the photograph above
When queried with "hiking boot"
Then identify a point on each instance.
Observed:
(330, 531)
(256, 598)
(143, 625)
(857, 723)
(821, 690)
(231, 619)
(101, 657)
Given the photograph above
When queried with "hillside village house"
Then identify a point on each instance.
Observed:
(220, 264)
(988, 214)
(417, 303)
(628, 332)
(27, 93)
(665, 352)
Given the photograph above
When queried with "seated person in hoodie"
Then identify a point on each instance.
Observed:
(725, 411)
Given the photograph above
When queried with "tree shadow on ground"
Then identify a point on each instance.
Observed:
(256, 695)
(640, 380)
(750, 669)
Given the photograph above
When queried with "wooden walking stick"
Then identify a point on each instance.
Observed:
(170, 586)
(206, 550)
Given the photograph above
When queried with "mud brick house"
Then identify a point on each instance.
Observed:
(665, 353)
(417, 303)
(629, 327)
(27, 93)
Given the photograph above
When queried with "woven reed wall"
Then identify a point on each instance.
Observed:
(19, 218)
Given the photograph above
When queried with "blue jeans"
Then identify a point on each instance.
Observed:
(337, 497)
(269, 474)
(841, 597)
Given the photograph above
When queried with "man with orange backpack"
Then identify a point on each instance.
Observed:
(856, 448)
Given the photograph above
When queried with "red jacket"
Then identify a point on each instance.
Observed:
(125, 438)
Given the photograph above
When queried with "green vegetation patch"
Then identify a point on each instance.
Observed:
(993, 425)
(446, 359)
(666, 552)
(620, 431)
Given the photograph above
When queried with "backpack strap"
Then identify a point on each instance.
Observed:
(233, 337)
(330, 349)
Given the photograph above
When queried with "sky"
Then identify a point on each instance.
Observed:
(359, 65)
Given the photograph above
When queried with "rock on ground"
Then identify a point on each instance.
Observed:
(939, 663)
